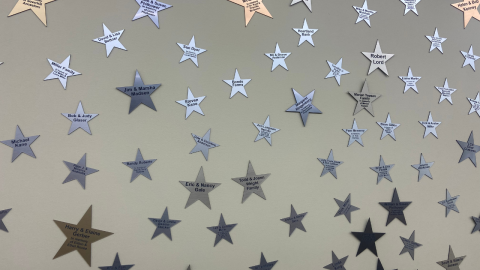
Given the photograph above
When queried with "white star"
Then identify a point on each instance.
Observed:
(470, 58)
(278, 58)
(237, 84)
(190, 51)
(111, 40)
(410, 5)
(150, 8)
(410, 81)
(61, 71)
(436, 41)
(446, 93)
(336, 70)
(191, 103)
(475, 104)
(430, 126)
(305, 33)
(364, 13)
(388, 128)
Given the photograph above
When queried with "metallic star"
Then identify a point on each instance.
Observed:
(430, 126)
(305, 32)
(164, 225)
(278, 57)
(191, 103)
(190, 51)
(21, 144)
(307, 3)
(410, 5)
(446, 92)
(423, 168)
(345, 208)
(469, 9)
(37, 7)
(475, 104)
(475, 219)
(265, 131)
(395, 208)
(355, 134)
(469, 149)
(237, 84)
(116, 265)
(364, 99)
(303, 105)
(252, 6)
(470, 58)
(222, 231)
(388, 128)
(3, 213)
(336, 263)
(264, 265)
(139, 166)
(150, 9)
(294, 220)
(139, 93)
(364, 13)
(410, 245)
(452, 263)
(79, 119)
(383, 171)
(436, 41)
(111, 40)
(330, 165)
(336, 70)
(61, 71)
(410, 81)
(367, 239)
(78, 171)
(450, 203)
(199, 189)
(378, 59)
(203, 144)
(252, 183)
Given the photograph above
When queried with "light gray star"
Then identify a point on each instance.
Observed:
(116, 265)
(3, 213)
(345, 208)
(364, 13)
(336, 263)
(303, 105)
(305, 33)
(21, 144)
(452, 263)
(336, 70)
(450, 203)
(475, 219)
(139, 166)
(199, 189)
(203, 144)
(222, 231)
(79, 119)
(264, 265)
(237, 84)
(475, 103)
(364, 99)
(378, 59)
(355, 134)
(388, 128)
(469, 150)
(446, 92)
(150, 9)
(430, 126)
(265, 131)
(61, 71)
(409, 80)
(191, 103)
(395, 208)
(294, 220)
(330, 165)
(410, 5)
(190, 51)
(164, 225)
(139, 93)
(111, 40)
(307, 3)
(470, 58)
(252, 183)
(423, 168)
(278, 58)
(383, 171)
(78, 171)
(436, 41)
(410, 245)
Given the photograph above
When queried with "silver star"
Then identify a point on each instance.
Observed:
(336, 263)
(116, 265)
(252, 183)
(139, 93)
(364, 13)
(355, 134)
(61, 71)
(378, 59)
(111, 40)
(410, 5)
(303, 105)
(79, 119)
(336, 70)
(383, 171)
(150, 9)
(191, 103)
(3, 213)
(388, 128)
(305, 33)
(330, 165)
(199, 189)
(395, 208)
(237, 84)
(139, 166)
(470, 58)
(345, 208)
(364, 99)
(278, 58)
(222, 231)
(294, 220)
(203, 144)
(265, 131)
(436, 41)
(21, 144)
(78, 171)
(430, 126)
(423, 168)
(475, 219)
(307, 3)
(469, 150)
(410, 81)
(452, 263)
(475, 104)
(450, 203)
(164, 225)
(264, 265)
(446, 92)
(410, 245)
(190, 51)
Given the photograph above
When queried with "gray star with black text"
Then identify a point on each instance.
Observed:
(79, 119)
(21, 144)
(252, 183)
(139, 93)
(469, 150)
(388, 128)
(78, 171)
(199, 189)
(410, 245)
(345, 208)
(203, 144)
(430, 126)
(452, 263)
(383, 170)
(303, 105)
(330, 165)
(450, 203)
(222, 231)
(265, 131)
(423, 168)
(336, 263)
(294, 220)
(355, 134)
(139, 166)
(164, 225)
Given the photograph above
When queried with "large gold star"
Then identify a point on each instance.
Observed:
(37, 6)
(469, 8)
(252, 6)
(80, 237)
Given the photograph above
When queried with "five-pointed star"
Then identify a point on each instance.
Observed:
(190, 51)
(410, 81)
(395, 208)
(199, 189)
(469, 9)
(294, 220)
(61, 71)
(388, 128)
(163, 225)
(345, 208)
(38, 7)
(116, 265)
(336, 70)
(139, 93)
(139, 166)
(410, 5)
(383, 170)
(355, 134)
(307, 3)
(430, 126)
(3, 213)
(423, 168)
(436, 41)
(475, 219)
(237, 84)
(265, 131)
(191, 103)
(364, 99)
(303, 105)
(79, 119)
(252, 6)
(150, 9)
(222, 231)
(278, 58)
(470, 58)
(252, 183)
(111, 40)
(305, 32)
(21, 144)
(367, 239)
(410, 245)
(452, 263)
(446, 92)
(378, 59)
(469, 149)
(80, 237)
(203, 144)
(264, 265)
(78, 171)
(364, 13)
(475, 104)
(450, 203)
(330, 165)
(336, 263)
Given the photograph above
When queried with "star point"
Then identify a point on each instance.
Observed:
(264, 265)
(308, 3)
(469, 9)
(336, 263)
(116, 265)
(3, 213)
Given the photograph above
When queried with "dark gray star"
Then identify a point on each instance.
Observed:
(199, 189)
(222, 231)
(3, 213)
(139, 93)
(330, 165)
(21, 144)
(383, 171)
(469, 150)
(264, 265)
(117, 265)
(139, 166)
(475, 219)
(423, 168)
(345, 208)
(294, 220)
(450, 203)
(252, 183)
(336, 263)
(410, 245)
(452, 263)
(164, 224)
(367, 239)
(78, 171)
(303, 105)
(203, 144)
(395, 208)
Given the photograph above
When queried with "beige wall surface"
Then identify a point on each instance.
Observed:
(34, 189)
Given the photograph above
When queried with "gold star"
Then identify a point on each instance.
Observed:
(37, 6)
(469, 9)
(252, 6)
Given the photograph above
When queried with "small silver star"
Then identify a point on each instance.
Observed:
(410, 5)
(469, 150)
(294, 220)
(252, 183)
(475, 103)
(336, 263)
(307, 3)
(199, 189)
(446, 92)
(475, 219)
(111, 40)
(78, 171)
(139, 166)
(21, 144)
(430, 126)
(395, 208)
(345, 208)
(330, 165)
(450, 203)
(388, 128)
(364, 99)
(336, 70)
(3, 213)
(139, 93)
(191, 103)
(410, 245)
(190, 51)
(203, 144)
(303, 105)
(436, 41)
(378, 59)
(264, 265)
(410, 81)
(470, 58)
(278, 58)
(79, 119)
(116, 265)
(222, 231)
(355, 134)
(305, 33)
(164, 225)
(150, 9)
(423, 168)
(364, 13)
(237, 84)
(265, 131)
(383, 170)
(452, 263)
(61, 71)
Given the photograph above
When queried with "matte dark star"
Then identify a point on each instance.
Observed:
(139, 93)
(395, 208)
(163, 225)
(3, 213)
(117, 265)
(139, 166)
(222, 231)
(21, 144)
(410, 245)
(294, 220)
(469, 150)
(345, 208)
(367, 239)
(264, 265)
(336, 263)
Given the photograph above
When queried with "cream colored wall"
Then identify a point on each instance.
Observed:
(33, 187)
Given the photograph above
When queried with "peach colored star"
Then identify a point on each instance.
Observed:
(469, 8)
(252, 6)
